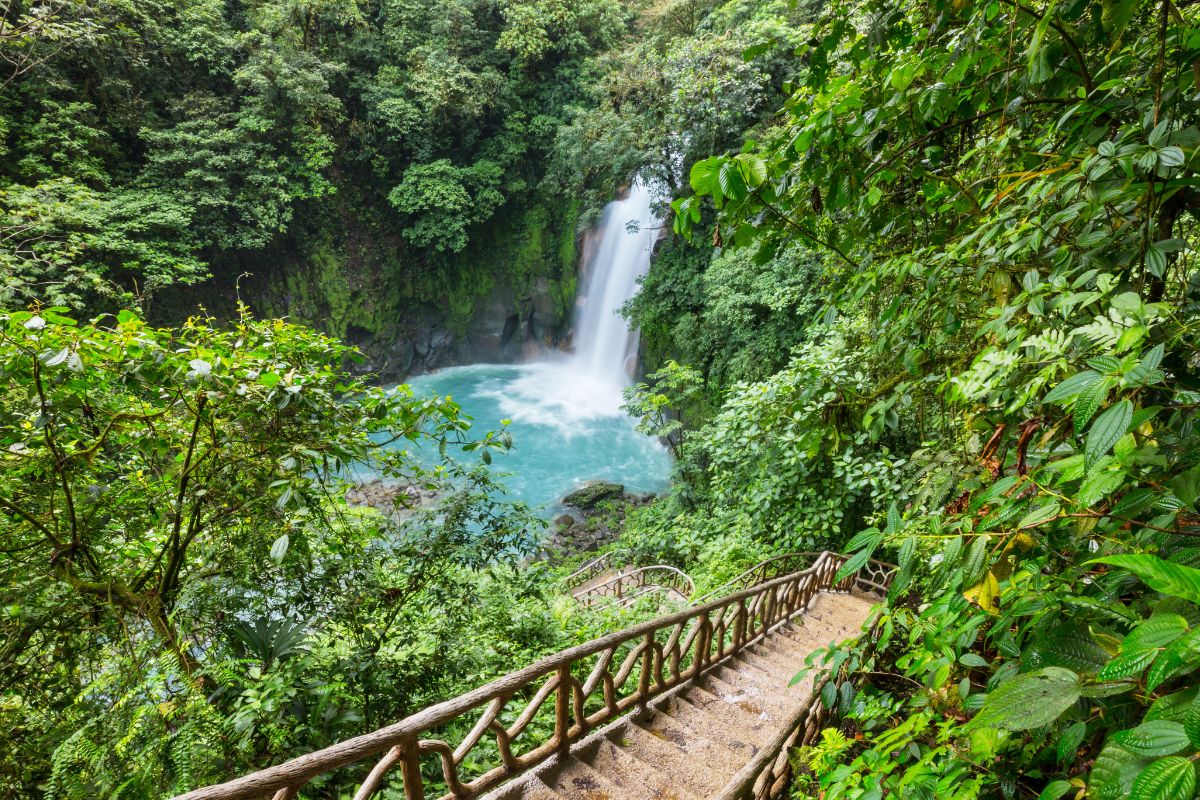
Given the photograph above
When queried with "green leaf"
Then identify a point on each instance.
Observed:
(1054, 790)
(1109, 427)
(1182, 655)
(1089, 402)
(754, 169)
(1114, 772)
(1174, 706)
(1166, 779)
(995, 490)
(1070, 740)
(1162, 576)
(853, 564)
(1029, 701)
(907, 549)
(974, 562)
(869, 538)
(1127, 664)
(1039, 516)
(894, 522)
(279, 548)
(730, 179)
(1073, 386)
(1158, 631)
(1171, 157)
(1159, 737)
(1191, 722)
(703, 176)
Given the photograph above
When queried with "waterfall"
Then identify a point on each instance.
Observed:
(605, 347)
(589, 384)
(564, 409)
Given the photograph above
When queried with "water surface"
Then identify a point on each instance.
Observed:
(567, 428)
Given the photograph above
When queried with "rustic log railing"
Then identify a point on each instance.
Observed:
(591, 569)
(625, 585)
(763, 570)
(556, 701)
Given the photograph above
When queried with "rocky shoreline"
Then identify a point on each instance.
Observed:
(390, 497)
(595, 516)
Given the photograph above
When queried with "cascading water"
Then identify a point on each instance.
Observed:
(605, 347)
(567, 422)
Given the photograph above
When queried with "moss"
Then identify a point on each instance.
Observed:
(346, 269)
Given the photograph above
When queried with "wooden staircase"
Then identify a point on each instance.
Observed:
(693, 742)
(694, 704)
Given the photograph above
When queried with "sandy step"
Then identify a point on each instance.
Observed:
(575, 780)
(742, 711)
(530, 787)
(756, 699)
(752, 670)
(733, 721)
(677, 765)
(614, 760)
(674, 729)
(738, 671)
(754, 684)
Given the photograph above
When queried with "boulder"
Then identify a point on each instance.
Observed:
(593, 493)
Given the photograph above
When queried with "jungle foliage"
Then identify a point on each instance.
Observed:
(149, 144)
(995, 388)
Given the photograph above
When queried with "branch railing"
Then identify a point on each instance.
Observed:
(626, 585)
(556, 701)
(591, 569)
(762, 571)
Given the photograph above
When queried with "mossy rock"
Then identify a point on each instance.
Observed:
(593, 493)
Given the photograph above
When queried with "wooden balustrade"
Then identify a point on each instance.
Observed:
(591, 569)
(762, 571)
(590, 685)
(637, 581)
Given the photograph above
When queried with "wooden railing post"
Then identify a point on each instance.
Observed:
(410, 769)
(647, 667)
(562, 710)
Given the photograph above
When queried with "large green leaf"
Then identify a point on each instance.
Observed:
(1073, 386)
(1113, 773)
(703, 176)
(1108, 428)
(974, 562)
(1029, 701)
(1166, 779)
(1163, 576)
(1089, 402)
(1191, 722)
(853, 564)
(1158, 737)
(1182, 655)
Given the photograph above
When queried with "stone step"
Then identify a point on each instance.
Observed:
(687, 776)
(573, 779)
(613, 759)
(689, 744)
(742, 722)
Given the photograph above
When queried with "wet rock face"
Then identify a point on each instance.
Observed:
(592, 494)
(594, 519)
(389, 497)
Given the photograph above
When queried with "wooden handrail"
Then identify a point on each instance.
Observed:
(587, 571)
(663, 652)
(769, 568)
(655, 576)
